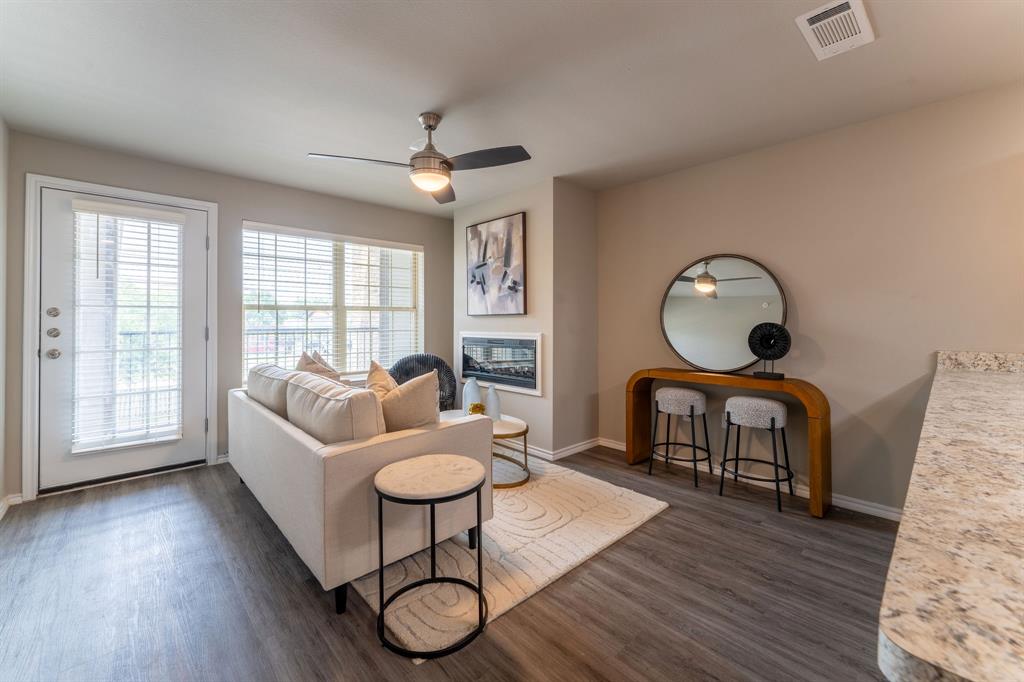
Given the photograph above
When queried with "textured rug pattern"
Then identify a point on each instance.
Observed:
(540, 531)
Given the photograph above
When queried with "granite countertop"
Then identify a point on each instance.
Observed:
(954, 597)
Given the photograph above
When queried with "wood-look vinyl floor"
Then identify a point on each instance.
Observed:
(183, 576)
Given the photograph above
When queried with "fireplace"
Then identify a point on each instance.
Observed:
(508, 361)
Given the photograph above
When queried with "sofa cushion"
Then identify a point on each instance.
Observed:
(379, 381)
(268, 385)
(414, 403)
(332, 412)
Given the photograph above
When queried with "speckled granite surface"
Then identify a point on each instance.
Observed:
(954, 598)
(985, 362)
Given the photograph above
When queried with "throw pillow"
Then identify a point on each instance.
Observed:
(414, 403)
(379, 381)
(309, 364)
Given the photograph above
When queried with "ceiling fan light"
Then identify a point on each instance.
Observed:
(430, 179)
(705, 283)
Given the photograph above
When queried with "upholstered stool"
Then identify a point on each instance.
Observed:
(756, 413)
(688, 404)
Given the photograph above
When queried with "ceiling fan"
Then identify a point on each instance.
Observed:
(706, 283)
(431, 171)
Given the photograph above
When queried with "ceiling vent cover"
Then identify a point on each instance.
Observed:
(836, 27)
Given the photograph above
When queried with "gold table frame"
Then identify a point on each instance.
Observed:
(524, 465)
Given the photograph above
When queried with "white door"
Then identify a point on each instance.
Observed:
(122, 366)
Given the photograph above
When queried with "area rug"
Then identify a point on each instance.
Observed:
(540, 532)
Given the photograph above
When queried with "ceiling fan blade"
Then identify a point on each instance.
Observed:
(445, 196)
(315, 155)
(487, 158)
(737, 279)
(684, 278)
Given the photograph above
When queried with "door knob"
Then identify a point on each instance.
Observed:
(53, 332)
(53, 353)
(53, 312)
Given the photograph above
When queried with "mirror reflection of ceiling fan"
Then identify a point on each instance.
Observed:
(431, 171)
(706, 284)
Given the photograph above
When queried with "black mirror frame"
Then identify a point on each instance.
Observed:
(664, 299)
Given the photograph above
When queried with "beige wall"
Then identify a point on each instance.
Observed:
(561, 251)
(537, 202)
(892, 238)
(238, 199)
(4, 144)
(575, 315)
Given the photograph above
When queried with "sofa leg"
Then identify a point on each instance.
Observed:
(341, 598)
(472, 537)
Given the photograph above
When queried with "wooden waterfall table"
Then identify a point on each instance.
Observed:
(819, 420)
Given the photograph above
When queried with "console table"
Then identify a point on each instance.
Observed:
(819, 421)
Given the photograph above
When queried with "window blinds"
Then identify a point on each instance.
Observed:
(349, 301)
(127, 341)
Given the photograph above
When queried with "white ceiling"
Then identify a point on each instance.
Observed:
(602, 93)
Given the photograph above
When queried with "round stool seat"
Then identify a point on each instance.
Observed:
(756, 413)
(677, 400)
(429, 477)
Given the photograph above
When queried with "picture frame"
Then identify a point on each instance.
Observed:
(496, 266)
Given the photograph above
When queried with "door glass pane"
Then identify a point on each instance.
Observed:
(127, 337)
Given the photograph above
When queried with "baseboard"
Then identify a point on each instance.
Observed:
(841, 501)
(8, 502)
(549, 455)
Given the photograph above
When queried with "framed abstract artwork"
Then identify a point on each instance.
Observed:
(496, 266)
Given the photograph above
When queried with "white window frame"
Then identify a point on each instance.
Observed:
(339, 296)
(30, 349)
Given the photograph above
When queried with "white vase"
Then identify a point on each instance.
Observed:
(493, 404)
(470, 394)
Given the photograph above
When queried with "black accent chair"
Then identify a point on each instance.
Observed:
(412, 366)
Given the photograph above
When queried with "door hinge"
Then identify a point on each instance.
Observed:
(207, 333)
(207, 242)
(206, 425)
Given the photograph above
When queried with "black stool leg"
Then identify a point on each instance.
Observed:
(654, 439)
(775, 471)
(707, 444)
(668, 436)
(785, 450)
(736, 470)
(471, 533)
(725, 454)
(693, 444)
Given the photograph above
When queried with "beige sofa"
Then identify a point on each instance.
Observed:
(321, 496)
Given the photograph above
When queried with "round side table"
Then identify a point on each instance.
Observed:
(506, 428)
(430, 480)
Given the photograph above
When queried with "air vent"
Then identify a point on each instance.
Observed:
(836, 27)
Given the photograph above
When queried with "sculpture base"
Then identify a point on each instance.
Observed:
(770, 375)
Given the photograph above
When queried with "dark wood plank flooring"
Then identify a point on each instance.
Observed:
(182, 576)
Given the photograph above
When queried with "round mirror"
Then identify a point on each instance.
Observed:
(712, 304)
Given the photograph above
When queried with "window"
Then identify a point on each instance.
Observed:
(352, 301)
(127, 345)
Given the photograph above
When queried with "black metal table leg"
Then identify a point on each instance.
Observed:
(482, 606)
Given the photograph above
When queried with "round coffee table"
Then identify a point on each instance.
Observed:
(430, 480)
(506, 428)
